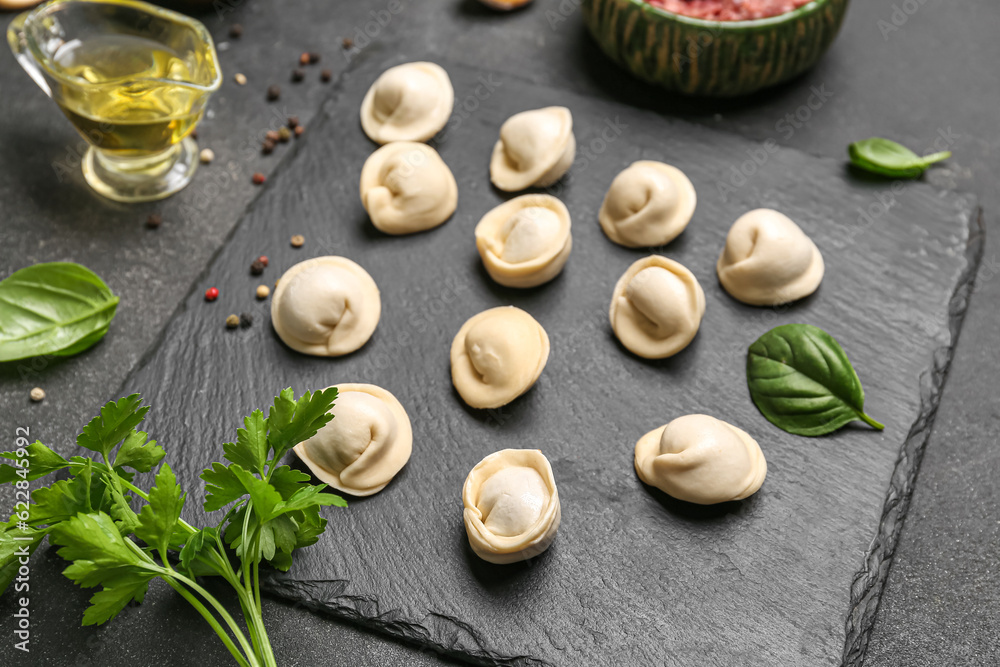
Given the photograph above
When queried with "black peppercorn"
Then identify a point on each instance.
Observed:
(256, 267)
(273, 93)
(246, 320)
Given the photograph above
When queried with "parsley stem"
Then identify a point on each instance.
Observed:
(207, 615)
(190, 583)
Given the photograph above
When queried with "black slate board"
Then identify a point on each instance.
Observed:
(633, 577)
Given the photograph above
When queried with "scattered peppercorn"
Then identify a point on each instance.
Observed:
(298, 240)
(258, 178)
(211, 294)
(304, 59)
(263, 291)
(273, 93)
(246, 319)
(293, 122)
(284, 134)
(154, 220)
(325, 75)
(194, 133)
(298, 75)
(348, 43)
(256, 267)
(236, 31)
(267, 147)
(299, 129)
(206, 155)
(232, 321)
(313, 57)
(37, 394)
(263, 260)
(241, 79)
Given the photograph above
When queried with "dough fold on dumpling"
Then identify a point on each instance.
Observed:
(525, 241)
(366, 443)
(406, 187)
(768, 260)
(648, 204)
(656, 307)
(498, 355)
(701, 459)
(325, 306)
(511, 506)
(535, 149)
(409, 102)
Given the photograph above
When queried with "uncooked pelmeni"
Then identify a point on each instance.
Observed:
(325, 306)
(535, 149)
(701, 459)
(656, 307)
(768, 260)
(498, 355)
(366, 443)
(406, 187)
(511, 506)
(648, 204)
(410, 102)
(526, 241)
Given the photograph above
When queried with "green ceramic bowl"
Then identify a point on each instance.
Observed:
(713, 58)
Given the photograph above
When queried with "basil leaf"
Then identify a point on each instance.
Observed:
(802, 382)
(885, 157)
(57, 308)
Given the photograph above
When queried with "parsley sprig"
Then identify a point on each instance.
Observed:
(91, 516)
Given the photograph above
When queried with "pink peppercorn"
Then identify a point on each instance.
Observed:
(258, 178)
(262, 259)
(211, 294)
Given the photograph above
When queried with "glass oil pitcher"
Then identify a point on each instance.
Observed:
(132, 78)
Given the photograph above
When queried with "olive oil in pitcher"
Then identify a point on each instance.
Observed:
(132, 78)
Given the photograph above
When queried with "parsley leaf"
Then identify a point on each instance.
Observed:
(41, 461)
(250, 448)
(291, 422)
(158, 518)
(116, 421)
(138, 454)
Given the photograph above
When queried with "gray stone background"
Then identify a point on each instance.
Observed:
(913, 71)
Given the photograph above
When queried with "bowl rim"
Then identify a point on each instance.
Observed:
(800, 12)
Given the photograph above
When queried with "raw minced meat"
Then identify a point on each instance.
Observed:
(729, 10)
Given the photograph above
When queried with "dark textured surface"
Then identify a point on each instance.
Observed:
(931, 72)
(777, 568)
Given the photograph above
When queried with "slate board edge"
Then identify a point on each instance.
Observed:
(869, 583)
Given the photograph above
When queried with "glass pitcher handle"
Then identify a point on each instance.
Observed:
(18, 40)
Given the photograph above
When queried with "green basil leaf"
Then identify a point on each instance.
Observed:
(57, 308)
(802, 382)
(885, 157)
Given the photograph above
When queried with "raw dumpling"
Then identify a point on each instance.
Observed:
(326, 306)
(511, 506)
(701, 459)
(410, 102)
(647, 205)
(535, 149)
(768, 260)
(366, 443)
(498, 355)
(406, 187)
(656, 307)
(526, 241)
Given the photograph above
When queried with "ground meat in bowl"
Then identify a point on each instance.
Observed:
(729, 10)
